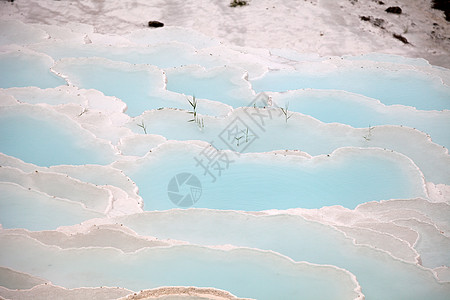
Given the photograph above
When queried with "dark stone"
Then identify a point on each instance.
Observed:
(378, 22)
(394, 10)
(381, 2)
(443, 5)
(400, 38)
(236, 3)
(155, 24)
(375, 21)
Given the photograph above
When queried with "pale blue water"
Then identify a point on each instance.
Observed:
(139, 89)
(304, 134)
(245, 273)
(22, 208)
(20, 70)
(217, 86)
(345, 108)
(256, 185)
(380, 276)
(45, 142)
(252, 186)
(410, 88)
(144, 90)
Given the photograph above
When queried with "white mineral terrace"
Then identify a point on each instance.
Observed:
(277, 150)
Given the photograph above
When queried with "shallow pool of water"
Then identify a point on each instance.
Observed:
(299, 239)
(33, 210)
(406, 87)
(27, 69)
(243, 272)
(44, 137)
(271, 181)
(362, 112)
(224, 84)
